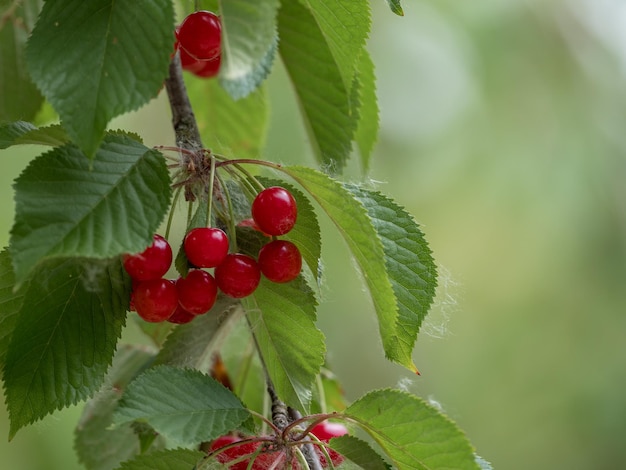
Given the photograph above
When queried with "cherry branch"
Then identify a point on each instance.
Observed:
(183, 118)
(184, 122)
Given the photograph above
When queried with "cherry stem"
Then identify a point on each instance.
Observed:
(267, 421)
(231, 214)
(210, 195)
(314, 420)
(170, 216)
(320, 390)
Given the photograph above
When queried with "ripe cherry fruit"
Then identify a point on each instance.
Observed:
(233, 452)
(152, 263)
(206, 247)
(155, 300)
(200, 35)
(197, 291)
(325, 431)
(200, 68)
(181, 316)
(238, 275)
(263, 460)
(280, 261)
(274, 210)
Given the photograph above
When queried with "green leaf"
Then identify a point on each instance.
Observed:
(243, 368)
(395, 7)
(171, 459)
(53, 135)
(282, 317)
(98, 447)
(368, 123)
(306, 232)
(248, 44)
(193, 344)
(359, 452)
(183, 405)
(323, 95)
(69, 206)
(345, 26)
(19, 97)
(409, 262)
(25, 133)
(118, 64)
(11, 131)
(71, 318)
(413, 434)
(10, 303)
(227, 126)
(353, 222)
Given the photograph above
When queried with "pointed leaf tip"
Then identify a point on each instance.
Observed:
(395, 7)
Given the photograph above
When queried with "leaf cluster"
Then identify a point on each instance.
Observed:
(95, 194)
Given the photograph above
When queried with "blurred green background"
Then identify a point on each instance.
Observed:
(503, 132)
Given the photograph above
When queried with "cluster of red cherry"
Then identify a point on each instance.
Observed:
(269, 458)
(199, 40)
(237, 275)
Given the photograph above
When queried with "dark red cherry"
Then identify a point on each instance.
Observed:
(206, 247)
(200, 35)
(238, 275)
(280, 261)
(264, 460)
(155, 300)
(181, 316)
(197, 291)
(274, 210)
(152, 263)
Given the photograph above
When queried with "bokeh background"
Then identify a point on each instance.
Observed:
(504, 133)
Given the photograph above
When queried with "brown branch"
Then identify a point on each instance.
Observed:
(183, 118)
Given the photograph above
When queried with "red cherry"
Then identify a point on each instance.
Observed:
(200, 34)
(196, 292)
(155, 300)
(200, 68)
(280, 261)
(274, 210)
(234, 452)
(325, 431)
(263, 461)
(152, 263)
(181, 316)
(206, 247)
(238, 275)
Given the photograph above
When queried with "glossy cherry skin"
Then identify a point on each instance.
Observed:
(201, 68)
(280, 261)
(155, 300)
(200, 35)
(197, 291)
(325, 431)
(238, 275)
(206, 247)
(152, 263)
(274, 210)
(181, 316)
